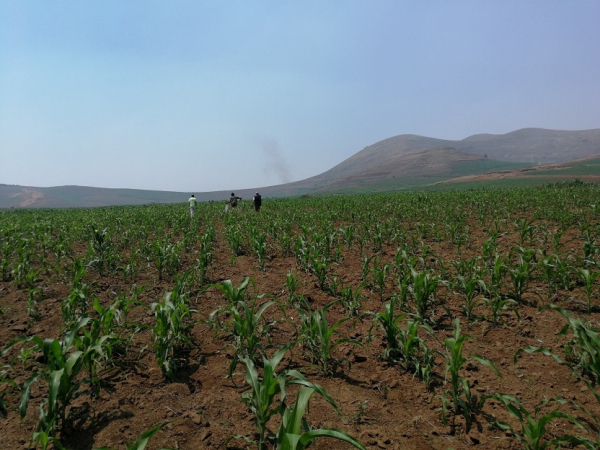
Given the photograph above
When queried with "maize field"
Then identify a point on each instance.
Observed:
(424, 320)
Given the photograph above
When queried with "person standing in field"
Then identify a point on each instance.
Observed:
(233, 201)
(192, 202)
(257, 202)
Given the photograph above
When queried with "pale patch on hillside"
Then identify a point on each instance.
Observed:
(555, 172)
(28, 197)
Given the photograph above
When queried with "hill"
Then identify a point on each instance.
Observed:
(400, 162)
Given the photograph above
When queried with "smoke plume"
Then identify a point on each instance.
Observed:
(276, 163)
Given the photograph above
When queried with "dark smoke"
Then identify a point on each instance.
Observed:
(276, 163)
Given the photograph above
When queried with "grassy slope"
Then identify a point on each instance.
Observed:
(407, 183)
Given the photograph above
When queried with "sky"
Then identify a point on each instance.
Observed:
(198, 96)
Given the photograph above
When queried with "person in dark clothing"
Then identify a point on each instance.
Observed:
(233, 200)
(257, 202)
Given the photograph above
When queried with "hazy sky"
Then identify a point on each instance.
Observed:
(199, 96)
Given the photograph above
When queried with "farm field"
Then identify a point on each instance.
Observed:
(431, 320)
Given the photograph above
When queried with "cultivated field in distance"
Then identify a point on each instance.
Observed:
(440, 319)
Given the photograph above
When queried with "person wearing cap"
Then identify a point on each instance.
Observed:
(192, 201)
(257, 202)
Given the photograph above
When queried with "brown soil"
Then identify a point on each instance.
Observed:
(381, 404)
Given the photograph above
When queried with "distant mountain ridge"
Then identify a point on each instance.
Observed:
(397, 162)
(528, 145)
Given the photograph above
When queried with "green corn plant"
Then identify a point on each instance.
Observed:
(351, 300)
(423, 287)
(206, 256)
(5, 270)
(318, 339)
(488, 251)
(32, 305)
(348, 234)
(366, 270)
(405, 263)
(590, 250)
(293, 422)
(76, 304)
(582, 354)
(172, 259)
(302, 253)
(459, 398)
(533, 426)
(245, 324)
(166, 257)
(376, 236)
(319, 266)
(234, 294)
(258, 242)
(61, 368)
(333, 286)
(470, 288)
(6, 382)
(102, 251)
(284, 240)
(236, 240)
(556, 272)
(589, 281)
(130, 267)
(170, 334)
(548, 272)
(520, 278)
(498, 304)
(404, 346)
(261, 400)
(20, 272)
(556, 239)
(105, 334)
(31, 278)
(379, 276)
(526, 230)
(292, 284)
(496, 275)
(142, 441)
(467, 268)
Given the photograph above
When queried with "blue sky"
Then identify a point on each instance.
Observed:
(198, 96)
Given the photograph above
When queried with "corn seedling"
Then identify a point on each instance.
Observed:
(379, 277)
(319, 266)
(5, 381)
(32, 305)
(423, 287)
(404, 346)
(497, 305)
(351, 300)
(583, 351)
(245, 324)
(470, 287)
(459, 398)
(293, 422)
(76, 304)
(142, 441)
(292, 284)
(102, 251)
(318, 339)
(520, 277)
(260, 399)
(170, 334)
(62, 366)
(589, 279)
(533, 426)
